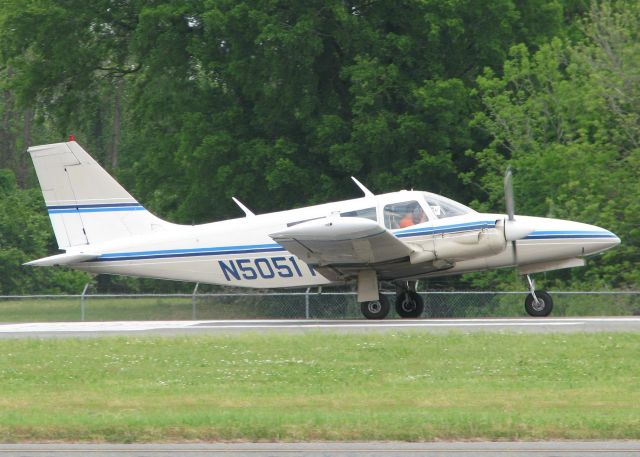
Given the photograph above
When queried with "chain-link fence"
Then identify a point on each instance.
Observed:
(310, 304)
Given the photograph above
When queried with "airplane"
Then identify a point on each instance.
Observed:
(395, 238)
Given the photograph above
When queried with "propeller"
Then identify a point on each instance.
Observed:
(511, 218)
(508, 193)
(513, 230)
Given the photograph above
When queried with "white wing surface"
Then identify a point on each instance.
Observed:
(342, 241)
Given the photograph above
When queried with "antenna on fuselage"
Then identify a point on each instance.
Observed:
(367, 192)
(247, 211)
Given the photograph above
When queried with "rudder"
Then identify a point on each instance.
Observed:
(85, 204)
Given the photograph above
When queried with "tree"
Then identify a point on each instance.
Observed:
(566, 118)
(26, 235)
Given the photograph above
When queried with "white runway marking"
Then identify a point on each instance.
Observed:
(616, 323)
(398, 325)
(121, 326)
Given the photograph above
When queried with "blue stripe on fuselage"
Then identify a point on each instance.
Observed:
(563, 234)
(223, 250)
(94, 208)
(453, 228)
(274, 247)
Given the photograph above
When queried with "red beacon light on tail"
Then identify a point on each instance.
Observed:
(72, 138)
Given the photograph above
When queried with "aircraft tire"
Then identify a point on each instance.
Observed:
(409, 304)
(541, 309)
(377, 309)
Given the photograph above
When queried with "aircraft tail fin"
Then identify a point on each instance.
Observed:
(85, 204)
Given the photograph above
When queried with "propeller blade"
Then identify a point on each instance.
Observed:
(512, 230)
(508, 193)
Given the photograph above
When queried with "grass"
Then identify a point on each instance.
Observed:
(156, 308)
(288, 306)
(321, 386)
(96, 309)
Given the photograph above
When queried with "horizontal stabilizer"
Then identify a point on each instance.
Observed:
(62, 259)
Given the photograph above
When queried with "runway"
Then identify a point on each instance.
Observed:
(461, 449)
(217, 327)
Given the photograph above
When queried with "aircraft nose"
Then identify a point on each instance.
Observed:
(588, 239)
(613, 240)
(599, 239)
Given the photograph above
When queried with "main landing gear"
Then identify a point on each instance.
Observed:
(408, 303)
(376, 309)
(538, 303)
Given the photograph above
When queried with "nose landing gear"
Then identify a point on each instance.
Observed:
(538, 303)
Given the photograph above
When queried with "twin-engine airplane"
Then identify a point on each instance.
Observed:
(397, 238)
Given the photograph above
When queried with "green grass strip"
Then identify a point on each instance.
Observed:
(322, 386)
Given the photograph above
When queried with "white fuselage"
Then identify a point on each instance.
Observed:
(240, 252)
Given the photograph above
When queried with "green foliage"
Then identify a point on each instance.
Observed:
(259, 100)
(566, 118)
(25, 234)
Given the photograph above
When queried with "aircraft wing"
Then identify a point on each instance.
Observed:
(342, 242)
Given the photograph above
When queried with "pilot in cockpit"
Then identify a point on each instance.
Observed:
(416, 216)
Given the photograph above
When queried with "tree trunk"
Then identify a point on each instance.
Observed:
(7, 140)
(117, 120)
(21, 159)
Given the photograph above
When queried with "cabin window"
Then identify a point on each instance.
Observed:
(367, 213)
(403, 214)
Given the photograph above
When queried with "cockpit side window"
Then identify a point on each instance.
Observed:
(442, 208)
(367, 213)
(403, 214)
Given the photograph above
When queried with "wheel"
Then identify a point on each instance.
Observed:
(542, 308)
(377, 309)
(409, 304)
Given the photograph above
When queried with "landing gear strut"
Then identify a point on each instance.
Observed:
(538, 303)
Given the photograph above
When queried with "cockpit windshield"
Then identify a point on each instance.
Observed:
(442, 207)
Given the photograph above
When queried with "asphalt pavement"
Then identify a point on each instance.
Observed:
(440, 449)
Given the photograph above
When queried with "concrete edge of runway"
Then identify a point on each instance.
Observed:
(213, 327)
(537, 448)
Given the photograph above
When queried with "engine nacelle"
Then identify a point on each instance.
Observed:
(469, 245)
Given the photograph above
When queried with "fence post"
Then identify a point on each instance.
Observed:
(82, 297)
(306, 303)
(193, 302)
